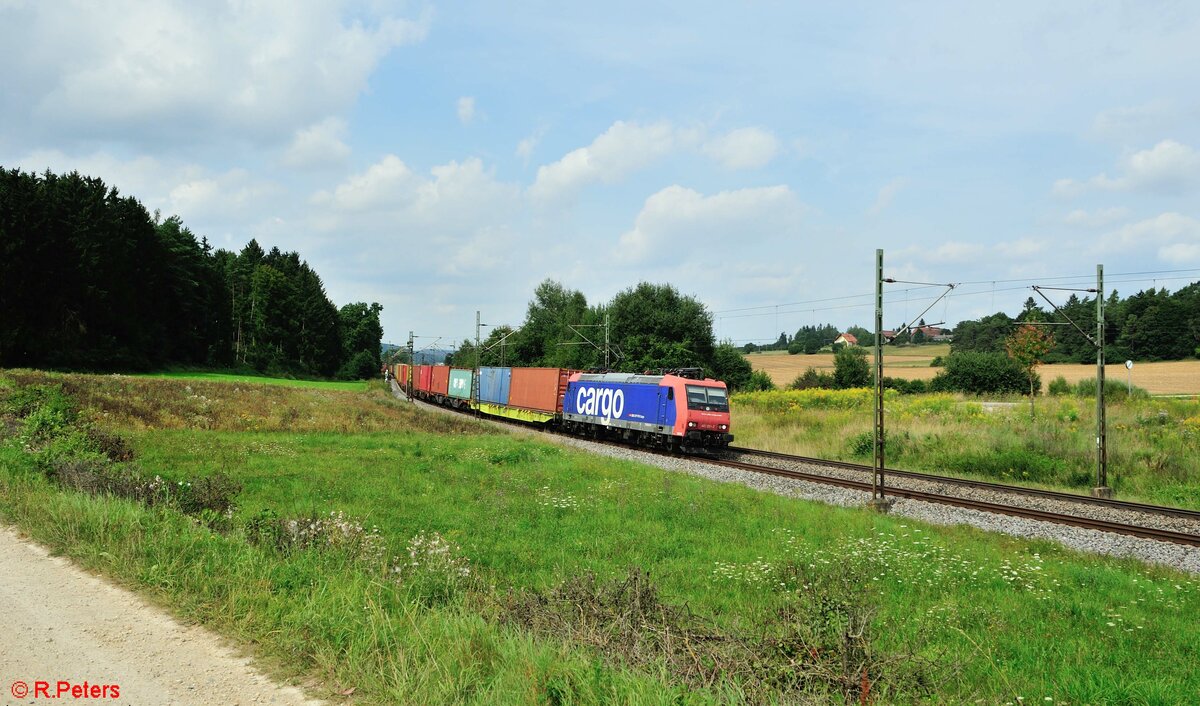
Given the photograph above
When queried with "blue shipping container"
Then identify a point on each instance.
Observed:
(494, 384)
(633, 405)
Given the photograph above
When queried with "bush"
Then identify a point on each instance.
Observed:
(794, 348)
(937, 362)
(1113, 390)
(983, 373)
(850, 368)
(759, 381)
(905, 387)
(1059, 387)
(731, 366)
(812, 380)
(361, 367)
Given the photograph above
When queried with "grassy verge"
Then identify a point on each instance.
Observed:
(350, 385)
(702, 592)
(1153, 444)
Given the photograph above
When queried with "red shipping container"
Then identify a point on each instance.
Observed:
(424, 375)
(541, 389)
(402, 378)
(440, 380)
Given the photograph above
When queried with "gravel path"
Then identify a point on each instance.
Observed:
(1173, 555)
(63, 624)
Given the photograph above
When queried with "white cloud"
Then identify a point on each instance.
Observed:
(139, 71)
(677, 219)
(745, 148)
(201, 196)
(886, 194)
(627, 147)
(1168, 167)
(1180, 253)
(221, 197)
(466, 109)
(1067, 188)
(1096, 219)
(459, 210)
(318, 145)
(1174, 237)
(384, 184)
(623, 148)
(525, 147)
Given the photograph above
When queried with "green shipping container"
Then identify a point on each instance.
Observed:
(460, 384)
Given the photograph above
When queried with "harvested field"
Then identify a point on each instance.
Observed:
(1175, 377)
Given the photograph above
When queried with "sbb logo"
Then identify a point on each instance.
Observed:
(607, 403)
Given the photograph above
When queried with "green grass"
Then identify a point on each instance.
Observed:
(351, 386)
(1153, 444)
(997, 617)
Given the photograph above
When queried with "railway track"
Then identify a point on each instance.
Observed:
(1060, 496)
(1102, 525)
(1161, 534)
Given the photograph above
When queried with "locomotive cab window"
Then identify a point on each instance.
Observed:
(709, 399)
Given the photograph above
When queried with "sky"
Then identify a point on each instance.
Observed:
(446, 158)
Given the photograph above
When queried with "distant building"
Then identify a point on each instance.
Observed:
(847, 339)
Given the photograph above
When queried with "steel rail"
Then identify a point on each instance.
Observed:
(993, 508)
(984, 485)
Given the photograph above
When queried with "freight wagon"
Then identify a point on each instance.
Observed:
(670, 411)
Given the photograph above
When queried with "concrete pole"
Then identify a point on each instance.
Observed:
(475, 373)
(1102, 489)
(877, 480)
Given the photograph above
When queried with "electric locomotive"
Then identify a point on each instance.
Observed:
(661, 410)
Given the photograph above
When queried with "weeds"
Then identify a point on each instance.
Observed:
(820, 643)
(76, 455)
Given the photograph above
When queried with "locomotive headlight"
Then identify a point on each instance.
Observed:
(691, 425)
(723, 427)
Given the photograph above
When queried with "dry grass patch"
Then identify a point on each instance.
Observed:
(140, 403)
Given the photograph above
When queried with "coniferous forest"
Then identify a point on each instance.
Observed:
(90, 280)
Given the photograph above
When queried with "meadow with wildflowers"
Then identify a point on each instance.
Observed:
(1153, 443)
(425, 560)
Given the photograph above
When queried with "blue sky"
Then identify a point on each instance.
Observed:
(443, 158)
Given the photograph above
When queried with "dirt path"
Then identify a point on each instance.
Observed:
(62, 624)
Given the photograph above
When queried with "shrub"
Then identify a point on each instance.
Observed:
(1059, 386)
(759, 381)
(937, 362)
(905, 387)
(850, 368)
(1113, 390)
(811, 379)
(983, 373)
(794, 348)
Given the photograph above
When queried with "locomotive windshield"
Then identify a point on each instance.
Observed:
(709, 399)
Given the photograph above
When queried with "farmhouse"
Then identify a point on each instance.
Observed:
(846, 339)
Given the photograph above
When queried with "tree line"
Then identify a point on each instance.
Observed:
(91, 280)
(1153, 324)
(651, 327)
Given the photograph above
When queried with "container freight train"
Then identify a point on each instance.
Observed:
(666, 411)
